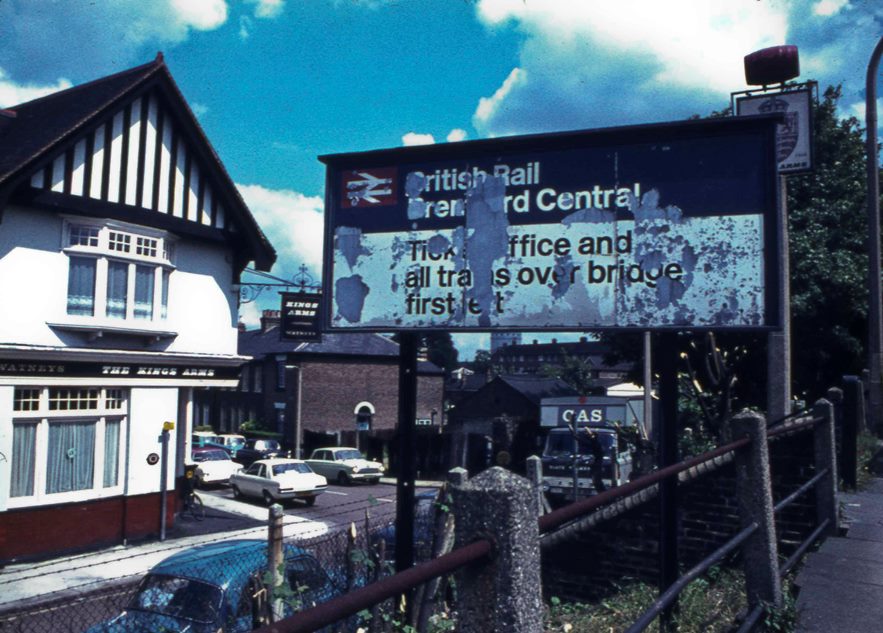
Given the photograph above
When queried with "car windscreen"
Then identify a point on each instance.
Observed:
(210, 456)
(178, 597)
(559, 443)
(267, 445)
(353, 454)
(278, 469)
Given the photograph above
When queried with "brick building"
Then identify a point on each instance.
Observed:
(343, 390)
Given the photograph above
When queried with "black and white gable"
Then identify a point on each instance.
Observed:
(128, 147)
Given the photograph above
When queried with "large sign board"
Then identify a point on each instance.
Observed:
(649, 227)
(794, 134)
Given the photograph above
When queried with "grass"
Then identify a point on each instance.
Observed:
(708, 605)
(867, 446)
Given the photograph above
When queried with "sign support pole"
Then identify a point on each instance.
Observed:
(163, 482)
(406, 451)
(668, 488)
(779, 343)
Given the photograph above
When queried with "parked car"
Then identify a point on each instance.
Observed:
(218, 587)
(277, 480)
(255, 449)
(424, 525)
(214, 465)
(232, 442)
(201, 438)
(344, 465)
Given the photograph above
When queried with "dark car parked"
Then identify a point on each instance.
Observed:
(258, 448)
(219, 587)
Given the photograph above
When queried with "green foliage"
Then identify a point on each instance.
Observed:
(827, 220)
(440, 349)
(250, 426)
(576, 372)
(708, 605)
(204, 427)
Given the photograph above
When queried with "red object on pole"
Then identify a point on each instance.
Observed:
(773, 65)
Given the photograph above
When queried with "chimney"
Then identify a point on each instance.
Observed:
(241, 327)
(270, 319)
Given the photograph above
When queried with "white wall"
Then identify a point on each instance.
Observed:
(5, 444)
(149, 407)
(203, 305)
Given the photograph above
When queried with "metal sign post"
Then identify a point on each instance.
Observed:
(407, 453)
(163, 477)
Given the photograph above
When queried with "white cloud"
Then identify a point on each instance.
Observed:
(413, 138)
(250, 314)
(44, 40)
(293, 223)
(827, 8)
(859, 108)
(204, 15)
(487, 106)
(245, 24)
(456, 135)
(629, 61)
(12, 93)
(267, 8)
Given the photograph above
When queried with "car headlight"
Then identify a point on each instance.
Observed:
(355, 469)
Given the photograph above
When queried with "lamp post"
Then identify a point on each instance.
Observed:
(875, 306)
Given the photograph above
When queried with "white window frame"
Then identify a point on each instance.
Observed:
(111, 238)
(42, 417)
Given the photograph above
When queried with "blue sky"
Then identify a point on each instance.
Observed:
(275, 83)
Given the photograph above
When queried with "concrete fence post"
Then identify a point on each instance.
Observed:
(504, 594)
(754, 490)
(825, 457)
(853, 414)
(535, 476)
(275, 557)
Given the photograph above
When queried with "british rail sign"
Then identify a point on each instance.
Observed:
(666, 226)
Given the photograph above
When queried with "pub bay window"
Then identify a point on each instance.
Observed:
(117, 274)
(66, 442)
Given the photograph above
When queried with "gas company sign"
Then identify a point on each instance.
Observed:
(651, 227)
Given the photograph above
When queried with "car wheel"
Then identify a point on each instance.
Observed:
(268, 498)
(343, 479)
(311, 501)
(237, 494)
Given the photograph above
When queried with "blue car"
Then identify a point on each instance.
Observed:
(220, 587)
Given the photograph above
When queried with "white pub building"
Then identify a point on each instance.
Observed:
(122, 239)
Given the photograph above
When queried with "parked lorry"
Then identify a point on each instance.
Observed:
(584, 450)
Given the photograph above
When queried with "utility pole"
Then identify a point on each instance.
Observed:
(875, 305)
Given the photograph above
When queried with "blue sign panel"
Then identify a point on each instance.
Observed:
(663, 226)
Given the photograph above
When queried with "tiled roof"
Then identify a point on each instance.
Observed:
(534, 388)
(259, 343)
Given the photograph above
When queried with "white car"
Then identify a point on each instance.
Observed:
(345, 465)
(278, 479)
(214, 466)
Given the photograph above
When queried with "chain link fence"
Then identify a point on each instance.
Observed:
(226, 584)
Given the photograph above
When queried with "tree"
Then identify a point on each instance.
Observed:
(576, 372)
(828, 253)
(440, 349)
(827, 224)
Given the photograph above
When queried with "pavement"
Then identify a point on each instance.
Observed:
(841, 584)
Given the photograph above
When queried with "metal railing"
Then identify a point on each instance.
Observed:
(481, 551)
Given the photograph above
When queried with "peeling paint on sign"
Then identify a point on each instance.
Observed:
(551, 242)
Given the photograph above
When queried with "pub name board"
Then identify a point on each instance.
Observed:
(114, 370)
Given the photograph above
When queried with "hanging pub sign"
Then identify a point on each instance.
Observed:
(666, 226)
(300, 316)
(794, 135)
